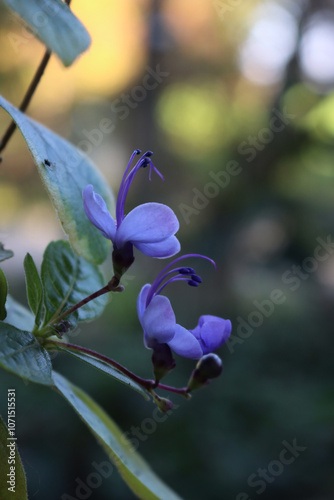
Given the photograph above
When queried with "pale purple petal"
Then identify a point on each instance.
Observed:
(158, 320)
(98, 213)
(212, 332)
(161, 249)
(141, 300)
(141, 306)
(147, 223)
(185, 344)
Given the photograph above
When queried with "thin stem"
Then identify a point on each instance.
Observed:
(27, 98)
(112, 286)
(29, 94)
(183, 391)
(147, 384)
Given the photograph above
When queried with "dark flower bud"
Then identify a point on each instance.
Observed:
(209, 366)
(163, 361)
(122, 259)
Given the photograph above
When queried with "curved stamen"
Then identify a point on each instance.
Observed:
(120, 192)
(154, 287)
(172, 280)
(152, 167)
(162, 273)
(143, 162)
(123, 191)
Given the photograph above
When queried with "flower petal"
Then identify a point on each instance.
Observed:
(141, 301)
(147, 223)
(212, 332)
(185, 344)
(160, 249)
(98, 213)
(158, 320)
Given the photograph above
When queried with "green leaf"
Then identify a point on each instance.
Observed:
(104, 367)
(5, 254)
(34, 288)
(65, 172)
(55, 25)
(68, 279)
(3, 295)
(134, 470)
(22, 354)
(18, 315)
(9, 457)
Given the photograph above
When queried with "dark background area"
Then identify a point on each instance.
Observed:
(251, 83)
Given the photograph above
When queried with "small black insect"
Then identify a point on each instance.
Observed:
(47, 163)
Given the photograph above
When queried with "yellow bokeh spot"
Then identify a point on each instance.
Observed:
(9, 203)
(194, 116)
(320, 119)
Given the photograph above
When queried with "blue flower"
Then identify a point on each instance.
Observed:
(149, 227)
(157, 317)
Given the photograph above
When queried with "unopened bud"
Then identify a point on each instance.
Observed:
(163, 404)
(163, 361)
(209, 366)
(122, 259)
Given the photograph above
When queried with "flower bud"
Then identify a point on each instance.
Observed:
(164, 405)
(163, 361)
(209, 366)
(122, 259)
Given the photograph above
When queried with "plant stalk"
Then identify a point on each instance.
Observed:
(28, 95)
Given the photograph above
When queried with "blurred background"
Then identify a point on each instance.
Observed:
(236, 99)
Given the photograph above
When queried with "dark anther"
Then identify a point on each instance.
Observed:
(187, 270)
(192, 283)
(196, 278)
(137, 151)
(148, 153)
(145, 162)
(47, 163)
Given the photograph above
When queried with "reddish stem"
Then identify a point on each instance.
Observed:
(112, 286)
(147, 384)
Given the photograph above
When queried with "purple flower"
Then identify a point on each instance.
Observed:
(157, 317)
(149, 227)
